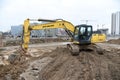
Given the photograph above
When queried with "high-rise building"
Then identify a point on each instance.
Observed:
(115, 23)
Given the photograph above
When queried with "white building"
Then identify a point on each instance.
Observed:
(115, 23)
(17, 31)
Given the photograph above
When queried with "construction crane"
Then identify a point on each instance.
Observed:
(82, 36)
(87, 20)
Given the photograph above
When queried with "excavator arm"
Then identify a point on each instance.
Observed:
(49, 25)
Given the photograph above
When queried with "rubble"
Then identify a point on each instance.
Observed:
(32, 73)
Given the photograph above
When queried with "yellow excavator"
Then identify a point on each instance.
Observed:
(82, 36)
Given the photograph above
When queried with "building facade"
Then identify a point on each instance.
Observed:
(105, 31)
(17, 31)
(115, 23)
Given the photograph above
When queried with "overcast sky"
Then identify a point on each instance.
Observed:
(14, 12)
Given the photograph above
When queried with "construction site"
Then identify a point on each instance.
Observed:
(54, 59)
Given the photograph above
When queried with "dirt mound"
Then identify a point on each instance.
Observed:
(12, 71)
(18, 64)
(61, 65)
(114, 41)
(86, 66)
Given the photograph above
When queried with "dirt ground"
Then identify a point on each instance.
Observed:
(86, 66)
(32, 41)
(57, 63)
(114, 41)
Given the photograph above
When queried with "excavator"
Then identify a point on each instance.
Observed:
(82, 37)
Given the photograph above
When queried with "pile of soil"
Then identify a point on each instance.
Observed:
(89, 65)
(86, 66)
(18, 64)
(12, 71)
(114, 41)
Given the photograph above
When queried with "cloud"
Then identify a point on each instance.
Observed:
(14, 12)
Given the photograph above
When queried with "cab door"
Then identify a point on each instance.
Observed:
(83, 34)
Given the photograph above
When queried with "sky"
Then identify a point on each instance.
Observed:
(97, 12)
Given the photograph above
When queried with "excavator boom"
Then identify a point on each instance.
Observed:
(59, 23)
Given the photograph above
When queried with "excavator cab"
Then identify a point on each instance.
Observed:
(83, 34)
